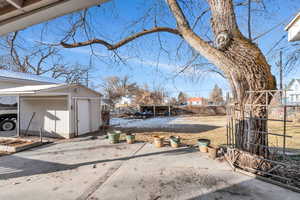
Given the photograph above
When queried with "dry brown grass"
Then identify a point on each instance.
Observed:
(291, 130)
(218, 135)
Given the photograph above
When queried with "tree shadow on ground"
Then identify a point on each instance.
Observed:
(174, 128)
(249, 190)
(14, 166)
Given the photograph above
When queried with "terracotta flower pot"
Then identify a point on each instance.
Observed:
(213, 152)
(158, 141)
(203, 149)
(130, 138)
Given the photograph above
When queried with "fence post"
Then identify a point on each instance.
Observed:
(284, 129)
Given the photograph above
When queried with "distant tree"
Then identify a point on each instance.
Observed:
(182, 98)
(117, 87)
(173, 101)
(143, 96)
(159, 95)
(216, 95)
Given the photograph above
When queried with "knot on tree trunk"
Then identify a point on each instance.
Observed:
(222, 40)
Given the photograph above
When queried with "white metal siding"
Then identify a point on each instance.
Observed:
(95, 105)
(51, 114)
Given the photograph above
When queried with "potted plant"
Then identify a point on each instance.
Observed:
(130, 138)
(175, 141)
(114, 136)
(158, 141)
(213, 151)
(203, 145)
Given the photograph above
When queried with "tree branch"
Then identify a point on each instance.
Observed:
(122, 42)
(223, 17)
(195, 41)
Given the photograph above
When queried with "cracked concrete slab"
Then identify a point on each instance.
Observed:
(88, 168)
(61, 170)
(183, 174)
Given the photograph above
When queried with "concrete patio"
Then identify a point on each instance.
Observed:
(89, 168)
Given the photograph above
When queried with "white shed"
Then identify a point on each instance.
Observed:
(58, 110)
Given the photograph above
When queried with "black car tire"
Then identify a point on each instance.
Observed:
(7, 125)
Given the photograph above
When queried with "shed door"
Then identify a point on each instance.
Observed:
(83, 116)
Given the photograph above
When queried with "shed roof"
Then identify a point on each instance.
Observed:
(36, 89)
(26, 76)
(292, 82)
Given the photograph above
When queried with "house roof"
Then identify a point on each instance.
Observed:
(26, 76)
(292, 82)
(195, 99)
(35, 89)
(19, 14)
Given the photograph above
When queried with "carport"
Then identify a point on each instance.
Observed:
(57, 110)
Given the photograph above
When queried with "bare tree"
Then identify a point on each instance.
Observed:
(216, 95)
(238, 58)
(145, 96)
(117, 87)
(39, 59)
(35, 60)
(158, 95)
(182, 98)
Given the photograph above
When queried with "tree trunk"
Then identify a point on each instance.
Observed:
(243, 64)
(250, 72)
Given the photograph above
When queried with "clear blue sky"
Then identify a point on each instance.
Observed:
(144, 63)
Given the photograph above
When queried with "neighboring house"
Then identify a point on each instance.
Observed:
(293, 92)
(196, 101)
(293, 29)
(124, 102)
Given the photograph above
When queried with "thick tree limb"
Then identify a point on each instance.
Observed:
(122, 42)
(223, 17)
(204, 48)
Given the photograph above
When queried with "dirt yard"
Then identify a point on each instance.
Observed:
(191, 128)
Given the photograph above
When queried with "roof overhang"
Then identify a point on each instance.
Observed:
(30, 89)
(42, 90)
(19, 14)
(293, 29)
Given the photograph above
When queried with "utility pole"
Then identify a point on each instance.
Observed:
(87, 78)
(280, 70)
(249, 20)
(280, 76)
